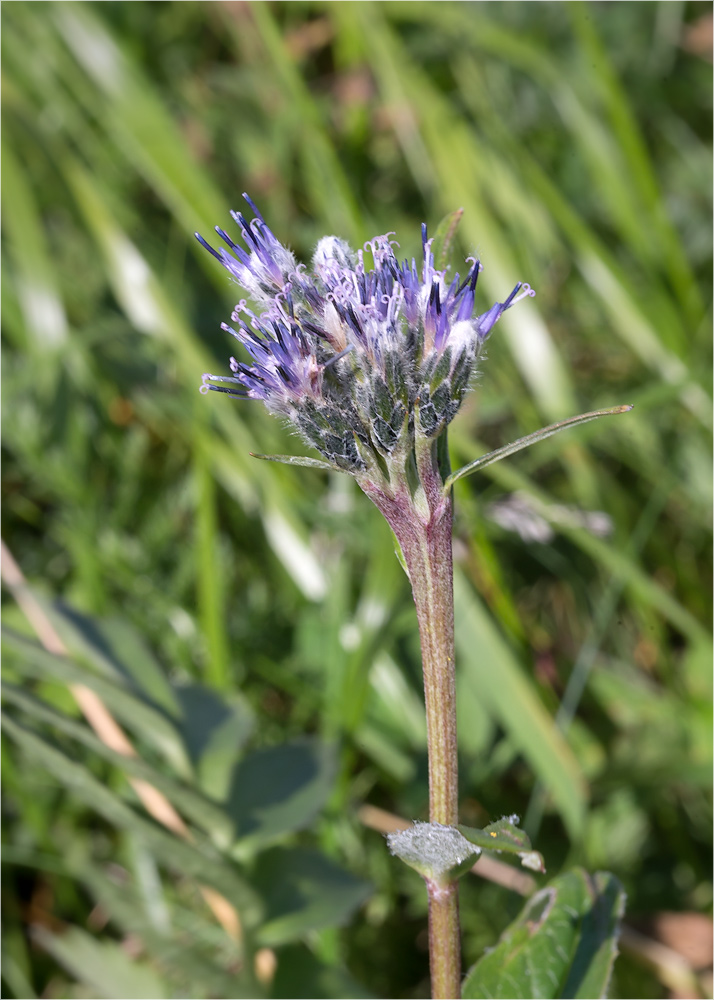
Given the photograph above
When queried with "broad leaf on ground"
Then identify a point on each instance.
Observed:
(278, 790)
(301, 974)
(303, 891)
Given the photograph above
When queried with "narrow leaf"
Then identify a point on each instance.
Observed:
(102, 966)
(492, 672)
(399, 554)
(35, 274)
(127, 705)
(115, 648)
(610, 556)
(525, 442)
(189, 962)
(214, 728)
(199, 859)
(444, 238)
(309, 463)
(194, 806)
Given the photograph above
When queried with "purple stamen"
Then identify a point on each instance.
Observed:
(208, 247)
(253, 206)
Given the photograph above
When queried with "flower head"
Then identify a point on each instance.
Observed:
(360, 359)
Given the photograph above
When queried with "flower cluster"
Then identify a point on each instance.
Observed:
(360, 360)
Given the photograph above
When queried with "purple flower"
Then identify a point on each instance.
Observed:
(361, 359)
(265, 268)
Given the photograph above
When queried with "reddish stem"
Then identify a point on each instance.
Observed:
(423, 527)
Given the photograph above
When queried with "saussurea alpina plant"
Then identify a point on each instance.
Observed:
(369, 358)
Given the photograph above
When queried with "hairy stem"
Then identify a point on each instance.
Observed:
(444, 940)
(428, 558)
(427, 551)
(423, 527)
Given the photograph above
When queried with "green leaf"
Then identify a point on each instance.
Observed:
(210, 571)
(308, 463)
(399, 554)
(563, 943)
(504, 836)
(302, 976)
(136, 120)
(35, 275)
(128, 706)
(381, 748)
(303, 891)
(525, 442)
(491, 670)
(444, 139)
(611, 556)
(278, 790)
(325, 173)
(199, 859)
(103, 966)
(444, 238)
(185, 951)
(115, 649)
(17, 965)
(214, 729)
(395, 708)
(194, 806)
(150, 307)
(188, 721)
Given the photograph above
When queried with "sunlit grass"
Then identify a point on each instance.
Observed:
(576, 138)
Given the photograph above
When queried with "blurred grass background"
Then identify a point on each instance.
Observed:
(577, 139)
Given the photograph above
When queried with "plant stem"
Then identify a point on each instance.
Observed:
(423, 526)
(427, 551)
(444, 940)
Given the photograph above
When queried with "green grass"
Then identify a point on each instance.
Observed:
(577, 139)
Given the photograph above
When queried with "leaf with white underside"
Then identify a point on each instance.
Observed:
(525, 442)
